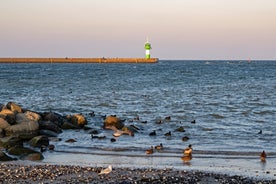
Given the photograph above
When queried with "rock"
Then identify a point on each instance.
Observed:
(113, 121)
(47, 133)
(8, 142)
(53, 117)
(20, 150)
(8, 115)
(77, 119)
(48, 125)
(68, 125)
(25, 130)
(39, 141)
(2, 133)
(32, 116)
(5, 157)
(32, 157)
(71, 140)
(14, 107)
(3, 124)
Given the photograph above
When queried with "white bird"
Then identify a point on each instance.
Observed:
(106, 171)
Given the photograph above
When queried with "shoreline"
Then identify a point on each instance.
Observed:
(26, 172)
(78, 60)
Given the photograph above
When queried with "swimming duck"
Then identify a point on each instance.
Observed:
(149, 151)
(152, 133)
(188, 151)
(159, 147)
(168, 133)
(168, 118)
(263, 156)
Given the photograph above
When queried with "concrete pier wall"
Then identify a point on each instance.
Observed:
(78, 60)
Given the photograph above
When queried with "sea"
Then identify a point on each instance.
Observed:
(232, 104)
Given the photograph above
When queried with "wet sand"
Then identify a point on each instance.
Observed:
(15, 172)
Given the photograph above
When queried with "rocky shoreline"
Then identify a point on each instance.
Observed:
(24, 173)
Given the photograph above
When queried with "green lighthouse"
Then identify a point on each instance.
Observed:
(147, 47)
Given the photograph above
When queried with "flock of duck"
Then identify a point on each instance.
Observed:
(187, 152)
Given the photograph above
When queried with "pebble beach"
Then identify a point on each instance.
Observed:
(33, 173)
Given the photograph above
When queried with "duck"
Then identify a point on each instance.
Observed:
(153, 133)
(159, 147)
(263, 156)
(193, 122)
(168, 118)
(185, 138)
(149, 151)
(168, 133)
(188, 151)
(186, 159)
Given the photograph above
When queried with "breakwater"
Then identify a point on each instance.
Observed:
(78, 60)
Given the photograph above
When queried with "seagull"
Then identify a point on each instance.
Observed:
(118, 133)
(263, 156)
(188, 151)
(106, 171)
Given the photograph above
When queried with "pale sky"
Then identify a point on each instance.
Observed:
(177, 29)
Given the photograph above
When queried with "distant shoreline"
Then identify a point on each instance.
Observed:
(78, 60)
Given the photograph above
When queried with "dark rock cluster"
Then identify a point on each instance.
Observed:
(20, 127)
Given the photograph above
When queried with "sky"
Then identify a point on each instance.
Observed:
(177, 29)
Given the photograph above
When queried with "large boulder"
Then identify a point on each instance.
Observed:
(39, 141)
(3, 124)
(32, 116)
(2, 133)
(14, 107)
(8, 142)
(53, 117)
(5, 157)
(113, 121)
(48, 125)
(25, 153)
(68, 125)
(20, 150)
(8, 115)
(32, 156)
(24, 128)
(77, 119)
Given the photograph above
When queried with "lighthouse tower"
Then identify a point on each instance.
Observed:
(147, 47)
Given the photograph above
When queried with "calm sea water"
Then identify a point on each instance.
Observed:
(231, 102)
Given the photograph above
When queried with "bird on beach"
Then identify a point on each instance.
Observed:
(188, 151)
(149, 151)
(263, 156)
(106, 171)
